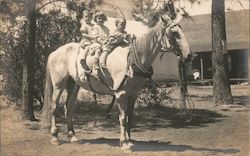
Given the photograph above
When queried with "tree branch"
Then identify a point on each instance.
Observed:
(240, 4)
(38, 9)
(156, 6)
(116, 8)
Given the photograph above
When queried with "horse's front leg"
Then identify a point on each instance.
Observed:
(72, 90)
(122, 100)
(130, 113)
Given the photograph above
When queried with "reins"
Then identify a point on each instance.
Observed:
(136, 59)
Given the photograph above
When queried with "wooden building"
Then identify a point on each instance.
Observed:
(199, 35)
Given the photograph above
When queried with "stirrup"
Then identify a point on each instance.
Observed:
(103, 66)
(96, 67)
(95, 73)
(83, 77)
(88, 71)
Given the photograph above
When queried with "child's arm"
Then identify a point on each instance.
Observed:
(87, 36)
(85, 33)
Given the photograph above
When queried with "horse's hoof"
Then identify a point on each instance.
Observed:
(125, 146)
(55, 142)
(130, 144)
(126, 149)
(74, 139)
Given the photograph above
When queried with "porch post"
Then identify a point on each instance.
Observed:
(202, 70)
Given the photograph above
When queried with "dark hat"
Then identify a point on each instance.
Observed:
(86, 11)
(119, 20)
(100, 13)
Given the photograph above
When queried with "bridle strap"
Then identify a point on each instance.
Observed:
(136, 59)
(172, 49)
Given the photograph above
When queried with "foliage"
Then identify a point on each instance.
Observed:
(77, 7)
(145, 12)
(148, 11)
(53, 30)
(153, 95)
(13, 44)
(62, 29)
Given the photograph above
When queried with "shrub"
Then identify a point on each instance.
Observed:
(54, 29)
(153, 95)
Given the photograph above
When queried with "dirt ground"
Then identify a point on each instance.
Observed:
(207, 131)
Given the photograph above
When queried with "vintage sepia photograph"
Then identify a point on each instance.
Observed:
(124, 78)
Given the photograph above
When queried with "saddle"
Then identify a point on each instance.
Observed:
(104, 75)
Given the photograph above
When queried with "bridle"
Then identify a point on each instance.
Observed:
(136, 59)
(173, 37)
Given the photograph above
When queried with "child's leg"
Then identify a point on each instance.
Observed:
(103, 58)
(83, 56)
(106, 51)
(98, 52)
(84, 69)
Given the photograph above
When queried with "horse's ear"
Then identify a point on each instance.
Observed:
(165, 19)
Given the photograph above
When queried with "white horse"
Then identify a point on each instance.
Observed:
(63, 68)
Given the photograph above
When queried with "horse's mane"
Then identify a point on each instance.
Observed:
(145, 42)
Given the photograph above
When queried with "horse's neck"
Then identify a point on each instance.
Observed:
(148, 45)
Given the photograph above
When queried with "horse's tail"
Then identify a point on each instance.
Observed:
(46, 110)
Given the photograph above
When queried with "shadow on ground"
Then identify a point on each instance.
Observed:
(201, 97)
(159, 146)
(144, 118)
(176, 118)
(241, 100)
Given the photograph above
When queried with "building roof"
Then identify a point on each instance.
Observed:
(198, 31)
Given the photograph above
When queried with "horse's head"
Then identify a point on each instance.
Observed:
(173, 38)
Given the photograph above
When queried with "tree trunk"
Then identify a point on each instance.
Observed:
(28, 66)
(183, 84)
(221, 85)
(248, 67)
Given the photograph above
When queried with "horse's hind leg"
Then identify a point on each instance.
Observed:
(57, 92)
(72, 89)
